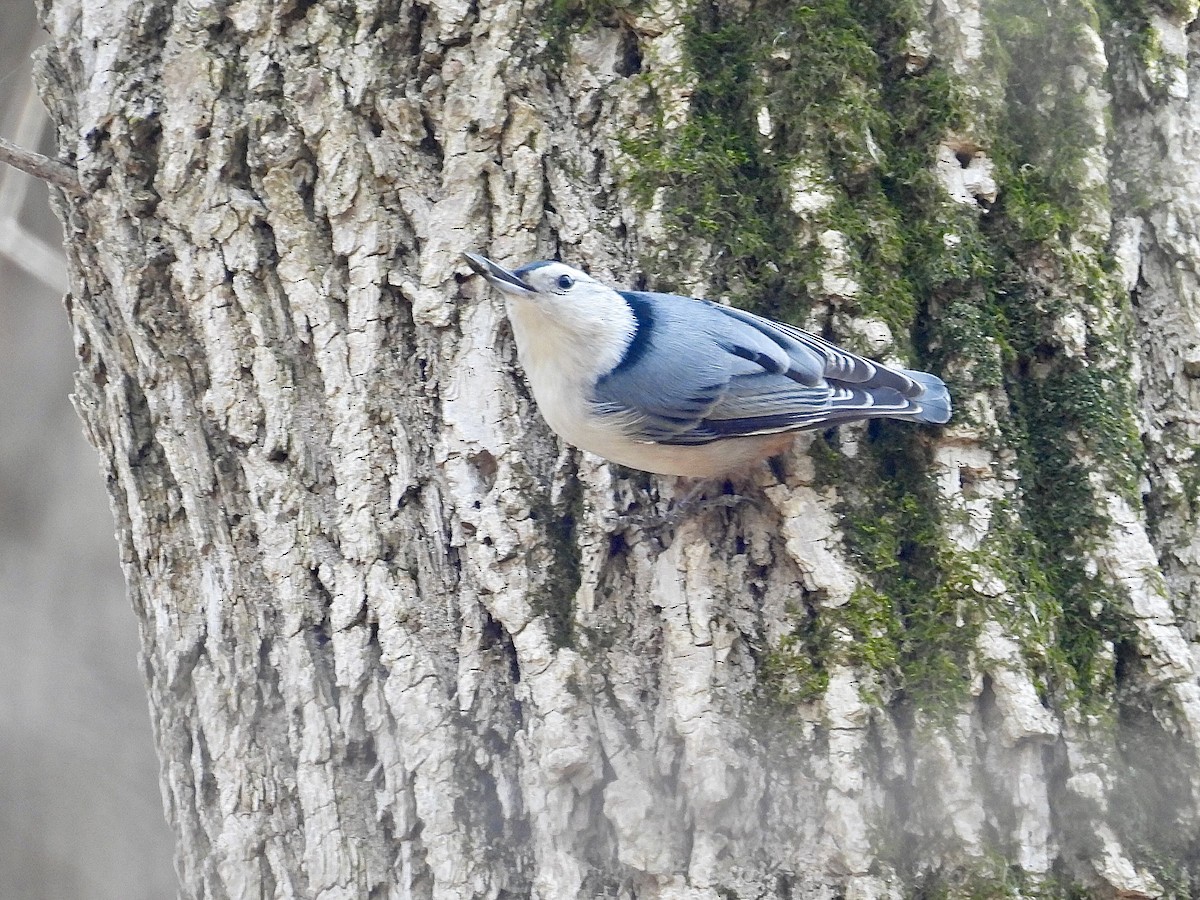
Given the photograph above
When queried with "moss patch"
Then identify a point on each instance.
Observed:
(978, 294)
(917, 623)
(796, 671)
(996, 880)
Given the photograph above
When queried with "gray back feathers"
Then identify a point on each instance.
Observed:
(695, 372)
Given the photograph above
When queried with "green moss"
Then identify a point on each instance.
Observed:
(917, 622)
(1132, 20)
(981, 293)
(1069, 414)
(995, 880)
(718, 184)
(816, 69)
(795, 672)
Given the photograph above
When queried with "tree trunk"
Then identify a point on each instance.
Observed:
(400, 642)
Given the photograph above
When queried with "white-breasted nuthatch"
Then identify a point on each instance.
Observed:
(682, 386)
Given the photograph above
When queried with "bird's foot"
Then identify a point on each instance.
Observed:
(694, 502)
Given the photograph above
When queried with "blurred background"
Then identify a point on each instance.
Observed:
(80, 810)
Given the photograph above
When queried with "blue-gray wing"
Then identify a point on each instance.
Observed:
(697, 372)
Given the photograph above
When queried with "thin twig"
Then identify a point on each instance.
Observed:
(48, 170)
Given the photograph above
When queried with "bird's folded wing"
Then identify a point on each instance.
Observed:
(715, 371)
(837, 364)
(768, 403)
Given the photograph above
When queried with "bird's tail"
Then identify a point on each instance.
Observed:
(934, 399)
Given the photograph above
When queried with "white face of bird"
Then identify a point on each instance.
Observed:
(591, 318)
(550, 279)
(572, 297)
(557, 279)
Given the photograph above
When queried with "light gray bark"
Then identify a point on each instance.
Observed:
(399, 642)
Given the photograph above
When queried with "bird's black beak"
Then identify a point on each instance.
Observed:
(498, 275)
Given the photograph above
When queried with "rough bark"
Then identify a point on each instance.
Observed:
(399, 642)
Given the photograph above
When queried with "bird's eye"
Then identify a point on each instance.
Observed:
(566, 282)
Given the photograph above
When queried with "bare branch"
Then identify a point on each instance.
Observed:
(48, 170)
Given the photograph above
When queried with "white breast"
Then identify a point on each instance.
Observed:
(564, 357)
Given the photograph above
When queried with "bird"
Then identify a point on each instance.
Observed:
(683, 386)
